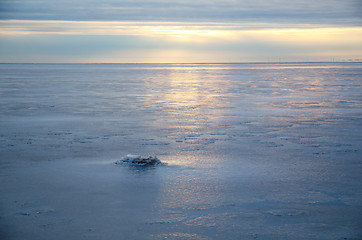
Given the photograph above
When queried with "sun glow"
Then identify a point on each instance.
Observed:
(180, 31)
(184, 34)
(116, 41)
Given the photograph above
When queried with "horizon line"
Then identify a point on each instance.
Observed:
(261, 62)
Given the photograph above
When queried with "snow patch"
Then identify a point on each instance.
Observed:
(138, 160)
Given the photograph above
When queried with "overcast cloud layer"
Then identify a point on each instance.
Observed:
(333, 12)
(184, 31)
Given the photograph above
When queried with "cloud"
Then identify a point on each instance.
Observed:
(184, 31)
(176, 44)
(332, 12)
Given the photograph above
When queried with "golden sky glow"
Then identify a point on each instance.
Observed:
(177, 31)
(192, 42)
(183, 31)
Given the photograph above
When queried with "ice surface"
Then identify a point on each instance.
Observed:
(254, 151)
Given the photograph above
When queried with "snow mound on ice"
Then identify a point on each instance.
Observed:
(139, 160)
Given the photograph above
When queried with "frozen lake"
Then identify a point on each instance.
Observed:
(254, 151)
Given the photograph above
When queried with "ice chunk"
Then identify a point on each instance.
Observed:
(139, 160)
(133, 156)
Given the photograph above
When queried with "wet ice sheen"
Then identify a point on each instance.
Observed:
(254, 151)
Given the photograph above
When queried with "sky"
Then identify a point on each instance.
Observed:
(188, 31)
